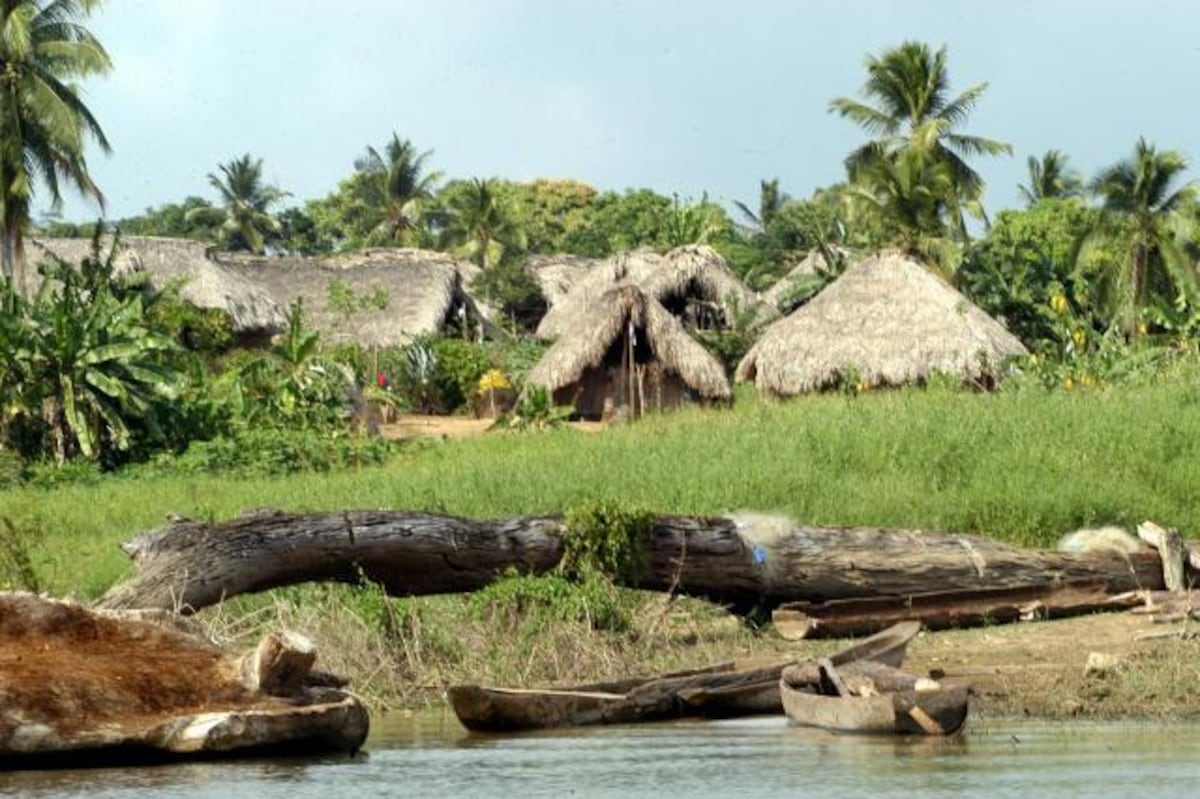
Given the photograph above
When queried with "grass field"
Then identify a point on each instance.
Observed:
(1021, 466)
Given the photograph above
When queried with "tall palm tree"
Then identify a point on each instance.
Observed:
(1142, 219)
(395, 190)
(480, 225)
(245, 220)
(913, 109)
(44, 50)
(1049, 178)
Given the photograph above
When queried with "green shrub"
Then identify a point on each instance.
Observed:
(527, 603)
(460, 364)
(273, 451)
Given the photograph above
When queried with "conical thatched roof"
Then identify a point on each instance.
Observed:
(809, 265)
(590, 337)
(692, 271)
(205, 282)
(888, 318)
(420, 289)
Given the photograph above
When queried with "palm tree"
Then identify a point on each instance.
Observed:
(1049, 178)
(909, 196)
(1142, 220)
(479, 224)
(44, 50)
(245, 219)
(395, 190)
(914, 110)
(770, 201)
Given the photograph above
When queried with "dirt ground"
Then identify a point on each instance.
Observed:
(454, 427)
(1037, 669)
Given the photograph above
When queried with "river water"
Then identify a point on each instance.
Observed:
(429, 755)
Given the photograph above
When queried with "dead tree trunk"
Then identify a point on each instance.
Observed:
(741, 563)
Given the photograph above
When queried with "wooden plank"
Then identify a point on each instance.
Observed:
(946, 609)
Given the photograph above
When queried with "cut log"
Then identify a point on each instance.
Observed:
(1172, 552)
(940, 610)
(190, 565)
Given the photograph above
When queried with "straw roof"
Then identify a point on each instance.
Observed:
(585, 345)
(557, 275)
(422, 289)
(204, 282)
(695, 270)
(810, 264)
(888, 318)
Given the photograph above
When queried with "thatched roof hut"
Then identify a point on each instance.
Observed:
(888, 319)
(203, 281)
(689, 281)
(399, 293)
(627, 355)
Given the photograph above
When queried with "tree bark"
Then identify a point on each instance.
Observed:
(746, 562)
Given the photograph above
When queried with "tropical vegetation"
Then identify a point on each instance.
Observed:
(44, 124)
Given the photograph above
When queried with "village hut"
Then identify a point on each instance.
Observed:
(692, 282)
(887, 321)
(188, 265)
(375, 298)
(626, 355)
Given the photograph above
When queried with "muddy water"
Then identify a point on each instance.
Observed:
(429, 755)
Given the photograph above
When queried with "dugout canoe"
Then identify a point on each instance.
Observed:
(872, 699)
(725, 690)
(85, 687)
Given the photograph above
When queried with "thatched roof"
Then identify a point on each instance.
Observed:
(807, 266)
(557, 275)
(421, 288)
(696, 271)
(204, 282)
(590, 337)
(888, 318)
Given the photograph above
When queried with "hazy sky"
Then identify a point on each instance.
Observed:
(682, 96)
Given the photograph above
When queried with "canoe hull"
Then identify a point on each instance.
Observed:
(726, 690)
(942, 711)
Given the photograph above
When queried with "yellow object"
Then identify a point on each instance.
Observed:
(1069, 383)
(1079, 337)
(1058, 303)
(493, 379)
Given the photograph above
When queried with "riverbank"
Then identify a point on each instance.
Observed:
(1023, 467)
(402, 655)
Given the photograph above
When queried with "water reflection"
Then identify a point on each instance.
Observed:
(429, 755)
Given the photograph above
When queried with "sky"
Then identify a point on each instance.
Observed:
(681, 96)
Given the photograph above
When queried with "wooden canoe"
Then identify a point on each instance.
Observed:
(725, 690)
(871, 699)
(80, 686)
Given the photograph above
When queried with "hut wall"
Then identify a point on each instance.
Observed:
(601, 394)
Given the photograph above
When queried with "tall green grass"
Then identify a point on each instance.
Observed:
(1022, 466)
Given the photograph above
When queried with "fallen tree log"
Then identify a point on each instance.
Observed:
(941, 610)
(744, 562)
